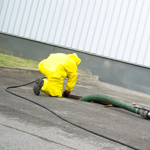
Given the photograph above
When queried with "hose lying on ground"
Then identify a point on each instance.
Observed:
(144, 112)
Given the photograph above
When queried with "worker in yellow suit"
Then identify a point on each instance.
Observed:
(56, 68)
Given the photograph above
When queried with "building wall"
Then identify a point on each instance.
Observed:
(116, 29)
(112, 37)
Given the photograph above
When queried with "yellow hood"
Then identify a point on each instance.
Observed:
(75, 57)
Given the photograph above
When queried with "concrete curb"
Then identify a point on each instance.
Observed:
(37, 72)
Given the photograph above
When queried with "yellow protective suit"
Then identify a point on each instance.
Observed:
(57, 67)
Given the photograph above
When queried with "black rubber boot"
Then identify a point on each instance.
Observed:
(36, 89)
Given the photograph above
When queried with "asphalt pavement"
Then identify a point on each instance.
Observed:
(24, 125)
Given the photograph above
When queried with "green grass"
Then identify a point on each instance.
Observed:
(12, 61)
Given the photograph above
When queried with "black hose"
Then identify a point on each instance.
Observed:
(100, 135)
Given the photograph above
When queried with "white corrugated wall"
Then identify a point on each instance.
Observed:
(116, 29)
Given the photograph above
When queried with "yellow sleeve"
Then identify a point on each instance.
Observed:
(72, 79)
(71, 69)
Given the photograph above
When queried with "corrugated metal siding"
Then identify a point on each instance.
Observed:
(117, 29)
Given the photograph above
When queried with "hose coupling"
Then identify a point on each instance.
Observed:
(143, 112)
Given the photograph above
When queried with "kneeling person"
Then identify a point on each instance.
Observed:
(56, 68)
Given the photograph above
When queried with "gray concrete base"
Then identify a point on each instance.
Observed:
(109, 71)
(26, 126)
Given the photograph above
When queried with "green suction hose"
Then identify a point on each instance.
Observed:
(144, 112)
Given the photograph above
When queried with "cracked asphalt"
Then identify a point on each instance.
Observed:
(24, 125)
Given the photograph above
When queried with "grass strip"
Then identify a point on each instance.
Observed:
(12, 61)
